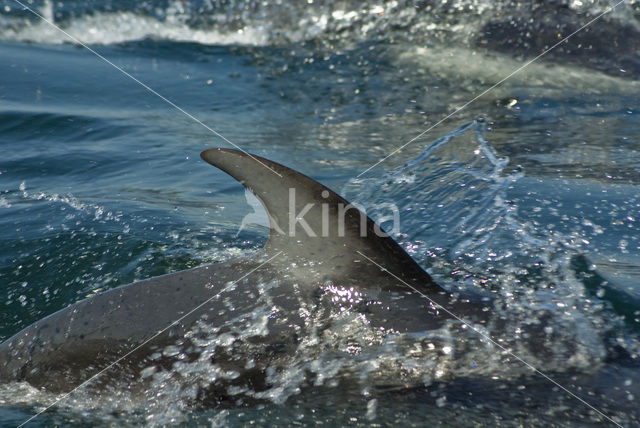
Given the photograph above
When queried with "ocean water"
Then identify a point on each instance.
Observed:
(531, 192)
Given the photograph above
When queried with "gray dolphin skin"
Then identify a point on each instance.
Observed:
(313, 258)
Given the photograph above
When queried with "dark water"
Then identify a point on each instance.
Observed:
(537, 203)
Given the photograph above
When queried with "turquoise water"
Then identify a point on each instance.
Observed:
(538, 202)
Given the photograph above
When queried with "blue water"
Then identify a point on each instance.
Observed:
(538, 202)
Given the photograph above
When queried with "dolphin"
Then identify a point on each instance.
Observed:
(323, 256)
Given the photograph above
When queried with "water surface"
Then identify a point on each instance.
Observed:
(537, 202)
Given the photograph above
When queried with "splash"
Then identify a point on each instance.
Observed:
(477, 241)
(258, 23)
(460, 220)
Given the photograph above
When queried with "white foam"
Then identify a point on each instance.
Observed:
(270, 26)
(119, 27)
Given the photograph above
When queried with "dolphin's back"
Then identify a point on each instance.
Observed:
(320, 247)
(77, 341)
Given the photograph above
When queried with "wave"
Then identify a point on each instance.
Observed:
(259, 23)
(509, 27)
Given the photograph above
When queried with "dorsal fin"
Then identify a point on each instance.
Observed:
(312, 225)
